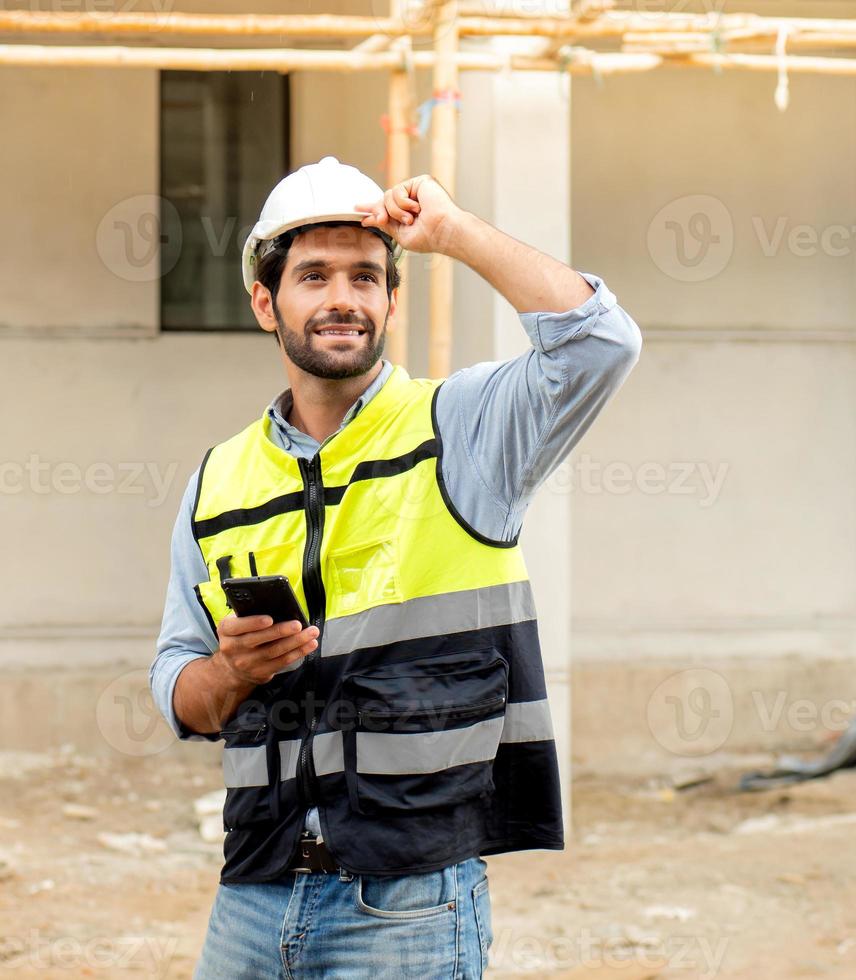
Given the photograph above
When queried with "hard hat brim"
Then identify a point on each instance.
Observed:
(265, 231)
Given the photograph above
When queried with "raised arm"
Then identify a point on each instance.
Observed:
(422, 216)
(506, 425)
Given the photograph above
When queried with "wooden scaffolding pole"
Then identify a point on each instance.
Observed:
(175, 22)
(400, 118)
(584, 61)
(611, 24)
(295, 59)
(444, 127)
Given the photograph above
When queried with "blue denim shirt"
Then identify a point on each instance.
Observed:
(505, 426)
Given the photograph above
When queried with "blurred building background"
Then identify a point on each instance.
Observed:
(694, 560)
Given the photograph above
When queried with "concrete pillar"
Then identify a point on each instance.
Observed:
(531, 189)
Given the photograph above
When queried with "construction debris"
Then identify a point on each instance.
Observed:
(793, 770)
(209, 813)
(136, 844)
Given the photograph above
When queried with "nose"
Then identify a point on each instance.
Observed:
(342, 294)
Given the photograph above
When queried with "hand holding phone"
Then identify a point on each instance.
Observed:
(264, 595)
(252, 652)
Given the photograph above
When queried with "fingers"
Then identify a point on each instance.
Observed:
(277, 663)
(255, 631)
(399, 205)
(396, 205)
(277, 648)
(256, 656)
(233, 625)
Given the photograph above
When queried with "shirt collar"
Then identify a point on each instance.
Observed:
(281, 406)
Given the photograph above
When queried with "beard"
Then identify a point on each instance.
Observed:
(349, 361)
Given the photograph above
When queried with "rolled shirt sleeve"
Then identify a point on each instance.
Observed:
(507, 425)
(185, 633)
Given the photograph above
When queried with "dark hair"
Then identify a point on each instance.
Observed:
(269, 268)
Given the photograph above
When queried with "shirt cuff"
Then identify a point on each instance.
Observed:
(550, 330)
(164, 676)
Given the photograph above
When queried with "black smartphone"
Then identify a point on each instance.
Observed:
(264, 595)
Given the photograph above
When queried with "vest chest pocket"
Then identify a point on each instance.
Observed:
(363, 576)
(283, 559)
(250, 773)
(425, 732)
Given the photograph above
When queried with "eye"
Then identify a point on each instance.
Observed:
(369, 276)
(308, 274)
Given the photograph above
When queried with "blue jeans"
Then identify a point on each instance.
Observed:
(431, 926)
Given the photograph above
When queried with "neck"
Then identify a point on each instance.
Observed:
(319, 404)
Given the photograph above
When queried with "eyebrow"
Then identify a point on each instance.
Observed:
(322, 264)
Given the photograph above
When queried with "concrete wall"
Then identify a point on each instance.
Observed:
(75, 175)
(111, 416)
(747, 376)
(713, 511)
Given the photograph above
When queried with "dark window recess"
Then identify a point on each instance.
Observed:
(224, 144)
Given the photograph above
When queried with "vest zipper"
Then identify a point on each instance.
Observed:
(255, 733)
(478, 708)
(316, 602)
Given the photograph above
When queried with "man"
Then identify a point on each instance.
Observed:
(372, 758)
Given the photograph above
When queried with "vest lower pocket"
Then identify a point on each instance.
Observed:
(250, 773)
(426, 731)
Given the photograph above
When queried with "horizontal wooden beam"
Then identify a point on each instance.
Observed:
(300, 59)
(609, 24)
(173, 22)
(767, 62)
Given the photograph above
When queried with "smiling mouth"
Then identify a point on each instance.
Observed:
(341, 331)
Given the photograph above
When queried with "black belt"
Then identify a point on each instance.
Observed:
(312, 856)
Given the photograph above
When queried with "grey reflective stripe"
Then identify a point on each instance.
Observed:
(527, 721)
(401, 753)
(328, 753)
(245, 766)
(435, 615)
(288, 753)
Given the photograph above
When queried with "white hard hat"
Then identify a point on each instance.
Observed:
(323, 191)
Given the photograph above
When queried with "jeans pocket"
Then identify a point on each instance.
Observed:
(481, 903)
(413, 896)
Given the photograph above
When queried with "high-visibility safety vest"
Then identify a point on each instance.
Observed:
(419, 726)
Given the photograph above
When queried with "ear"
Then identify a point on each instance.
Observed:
(262, 304)
(391, 322)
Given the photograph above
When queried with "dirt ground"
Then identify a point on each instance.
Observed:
(707, 881)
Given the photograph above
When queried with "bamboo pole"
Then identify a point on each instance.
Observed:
(738, 41)
(377, 42)
(401, 111)
(585, 62)
(291, 59)
(764, 62)
(197, 59)
(174, 22)
(610, 24)
(795, 41)
(615, 23)
(443, 158)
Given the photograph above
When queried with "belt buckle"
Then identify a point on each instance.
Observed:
(307, 838)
